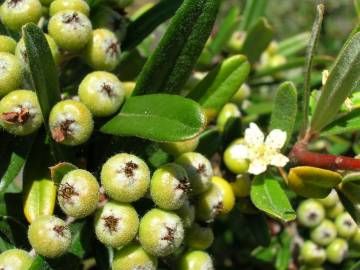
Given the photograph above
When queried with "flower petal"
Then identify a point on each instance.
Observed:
(254, 136)
(276, 139)
(239, 151)
(257, 167)
(279, 160)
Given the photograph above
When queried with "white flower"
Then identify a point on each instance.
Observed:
(261, 152)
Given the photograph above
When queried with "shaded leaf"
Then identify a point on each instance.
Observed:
(254, 9)
(58, 171)
(349, 122)
(82, 236)
(294, 44)
(259, 229)
(210, 142)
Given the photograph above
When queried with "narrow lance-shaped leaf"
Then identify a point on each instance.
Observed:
(343, 79)
(285, 108)
(357, 7)
(257, 40)
(268, 196)
(158, 117)
(349, 122)
(294, 44)
(254, 9)
(170, 65)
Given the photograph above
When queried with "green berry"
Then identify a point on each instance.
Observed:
(103, 50)
(236, 41)
(102, 93)
(71, 30)
(324, 233)
(161, 232)
(116, 224)
(133, 257)
(355, 240)
(16, 13)
(345, 225)
(125, 177)
(334, 211)
(49, 236)
(11, 73)
(78, 193)
(310, 213)
(69, 5)
(331, 200)
(230, 110)
(233, 161)
(169, 186)
(129, 88)
(7, 44)
(70, 122)
(312, 254)
(241, 94)
(337, 251)
(196, 260)
(187, 213)
(177, 148)
(241, 186)
(198, 237)
(20, 112)
(46, 2)
(15, 259)
(198, 169)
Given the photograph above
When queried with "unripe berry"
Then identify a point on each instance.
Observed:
(334, 211)
(236, 41)
(102, 93)
(49, 236)
(15, 259)
(133, 257)
(217, 200)
(11, 73)
(196, 260)
(129, 88)
(20, 112)
(78, 193)
(169, 186)
(198, 169)
(70, 122)
(230, 110)
(177, 148)
(69, 5)
(198, 237)
(116, 224)
(324, 233)
(310, 213)
(337, 251)
(71, 30)
(125, 177)
(241, 186)
(46, 2)
(16, 13)
(312, 254)
(355, 240)
(345, 225)
(161, 232)
(187, 214)
(241, 94)
(233, 162)
(103, 50)
(7, 44)
(331, 200)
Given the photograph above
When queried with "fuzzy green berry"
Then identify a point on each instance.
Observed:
(198, 237)
(177, 148)
(345, 225)
(334, 211)
(11, 73)
(20, 112)
(161, 232)
(230, 110)
(102, 93)
(71, 30)
(241, 94)
(324, 233)
(16, 13)
(125, 177)
(233, 161)
(116, 224)
(49, 236)
(196, 260)
(355, 240)
(69, 5)
(169, 186)
(331, 200)
(103, 50)
(15, 259)
(310, 213)
(187, 214)
(241, 186)
(7, 44)
(133, 257)
(337, 251)
(78, 193)
(198, 169)
(312, 254)
(70, 122)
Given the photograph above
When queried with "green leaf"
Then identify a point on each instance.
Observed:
(259, 228)
(158, 117)
(257, 40)
(343, 79)
(349, 122)
(268, 196)
(82, 236)
(357, 9)
(284, 254)
(291, 46)
(285, 108)
(169, 67)
(349, 206)
(58, 171)
(15, 231)
(217, 88)
(254, 9)
(103, 256)
(139, 29)
(210, 142)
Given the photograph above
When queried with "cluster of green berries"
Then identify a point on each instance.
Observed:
(332, 232)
